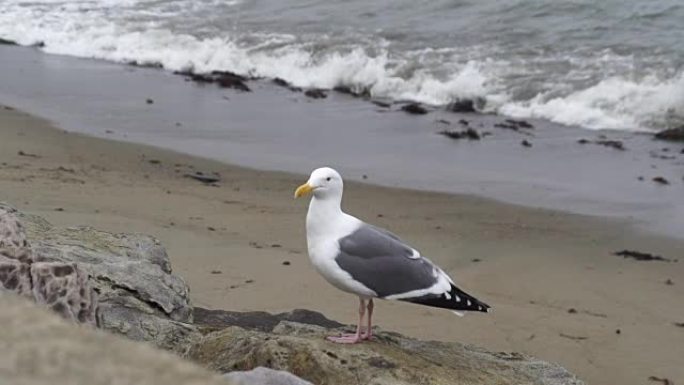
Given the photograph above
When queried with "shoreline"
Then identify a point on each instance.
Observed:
(230, 243)
(256, 130)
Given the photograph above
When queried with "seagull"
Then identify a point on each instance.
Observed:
(371, 262)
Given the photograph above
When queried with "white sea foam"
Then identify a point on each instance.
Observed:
(126, 31)
(295, 63)
(613, 103)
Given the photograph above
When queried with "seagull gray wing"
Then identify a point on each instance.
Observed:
(383, 263)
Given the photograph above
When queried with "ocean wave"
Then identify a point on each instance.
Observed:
(613, 103)
(370, 65)
(356, 68)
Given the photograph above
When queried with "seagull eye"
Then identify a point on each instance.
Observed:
(328, 179)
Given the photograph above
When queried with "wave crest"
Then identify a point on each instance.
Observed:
(128, 32)
(614, 103)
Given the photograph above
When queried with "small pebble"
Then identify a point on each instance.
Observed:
(286, 263)
(216, 272)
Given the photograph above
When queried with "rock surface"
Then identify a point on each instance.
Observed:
(259, 320)
(390, 359)
(462, 106)
(40, 348)
(265, 376)
(124, 283)
(672, 134)
(61, 286)
(414, 108)
(121, 282)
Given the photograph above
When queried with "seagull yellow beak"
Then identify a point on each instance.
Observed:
(303, 190)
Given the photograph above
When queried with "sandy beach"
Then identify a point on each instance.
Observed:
(275, 128)
(557, 290)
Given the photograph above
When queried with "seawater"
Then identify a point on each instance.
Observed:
(598, 64)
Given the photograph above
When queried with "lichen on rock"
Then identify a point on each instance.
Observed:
(63, 287)
(390, 358)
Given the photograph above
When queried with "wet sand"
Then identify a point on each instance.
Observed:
(273, 128)
(231, 241)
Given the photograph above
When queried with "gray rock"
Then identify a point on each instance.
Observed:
(259, 320)
(671, 134)
(121, 282)
(391, 358)
(134, 263)
(265, 376)
(61, 286)
(39, 348)
(124, 284)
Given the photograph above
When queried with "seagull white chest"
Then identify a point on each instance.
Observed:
(322, 235)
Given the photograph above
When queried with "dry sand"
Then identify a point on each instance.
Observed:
(231, 242)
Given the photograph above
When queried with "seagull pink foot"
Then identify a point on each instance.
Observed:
(345, 339)
(359, 335)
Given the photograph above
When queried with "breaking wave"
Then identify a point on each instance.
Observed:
(132, 31)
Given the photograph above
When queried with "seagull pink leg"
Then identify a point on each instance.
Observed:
(352, 338)
(369, 331)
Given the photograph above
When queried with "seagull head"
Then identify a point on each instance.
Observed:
(324, 182)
